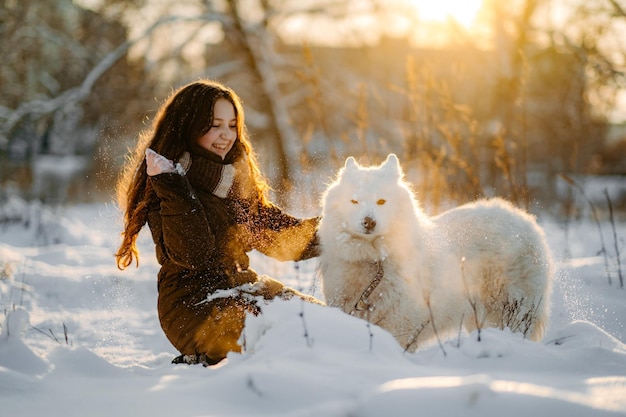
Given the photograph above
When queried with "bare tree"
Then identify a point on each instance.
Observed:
(273, 65)
(61, 82)
(258, 45)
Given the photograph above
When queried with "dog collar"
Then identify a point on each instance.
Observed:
(363, 302)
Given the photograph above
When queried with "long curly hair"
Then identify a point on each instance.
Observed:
(184, 117)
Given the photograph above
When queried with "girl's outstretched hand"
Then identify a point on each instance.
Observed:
(157, 163)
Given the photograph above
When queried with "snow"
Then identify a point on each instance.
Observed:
(81, 338)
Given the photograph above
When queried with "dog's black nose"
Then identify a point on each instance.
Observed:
(368, 224)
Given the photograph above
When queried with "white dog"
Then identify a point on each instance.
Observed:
(421, 278)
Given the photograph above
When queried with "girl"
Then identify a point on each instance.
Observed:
(205, 211)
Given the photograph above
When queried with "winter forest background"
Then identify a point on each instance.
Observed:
(493, 99)
(523, 99)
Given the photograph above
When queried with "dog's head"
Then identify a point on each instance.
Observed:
(366, 201)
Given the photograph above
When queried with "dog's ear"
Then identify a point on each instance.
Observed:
(392, 165)
(350, 163)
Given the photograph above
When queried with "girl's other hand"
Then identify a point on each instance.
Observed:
(157, 163)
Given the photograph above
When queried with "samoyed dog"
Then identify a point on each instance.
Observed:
(484, 264)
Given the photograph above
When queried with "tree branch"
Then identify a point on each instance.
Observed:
(77, 94)
(619, 10)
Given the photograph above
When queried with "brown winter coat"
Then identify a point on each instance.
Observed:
(201, 243)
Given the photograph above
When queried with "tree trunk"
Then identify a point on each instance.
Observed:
(258, 48)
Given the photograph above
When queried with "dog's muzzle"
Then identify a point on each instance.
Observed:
(369, 224)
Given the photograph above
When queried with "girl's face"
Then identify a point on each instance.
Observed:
(223, 133)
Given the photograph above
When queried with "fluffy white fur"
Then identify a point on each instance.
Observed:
(484, 264)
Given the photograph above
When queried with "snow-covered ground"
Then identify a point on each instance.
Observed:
(81, 338)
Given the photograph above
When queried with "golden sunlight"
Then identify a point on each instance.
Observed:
(462, 11)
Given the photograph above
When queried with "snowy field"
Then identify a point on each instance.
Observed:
(81, 338)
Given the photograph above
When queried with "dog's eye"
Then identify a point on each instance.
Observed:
(381, 201)
(354, 201)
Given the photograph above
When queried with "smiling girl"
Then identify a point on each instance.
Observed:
(195, 180)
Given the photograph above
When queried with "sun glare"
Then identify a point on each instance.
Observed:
(462, 11)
